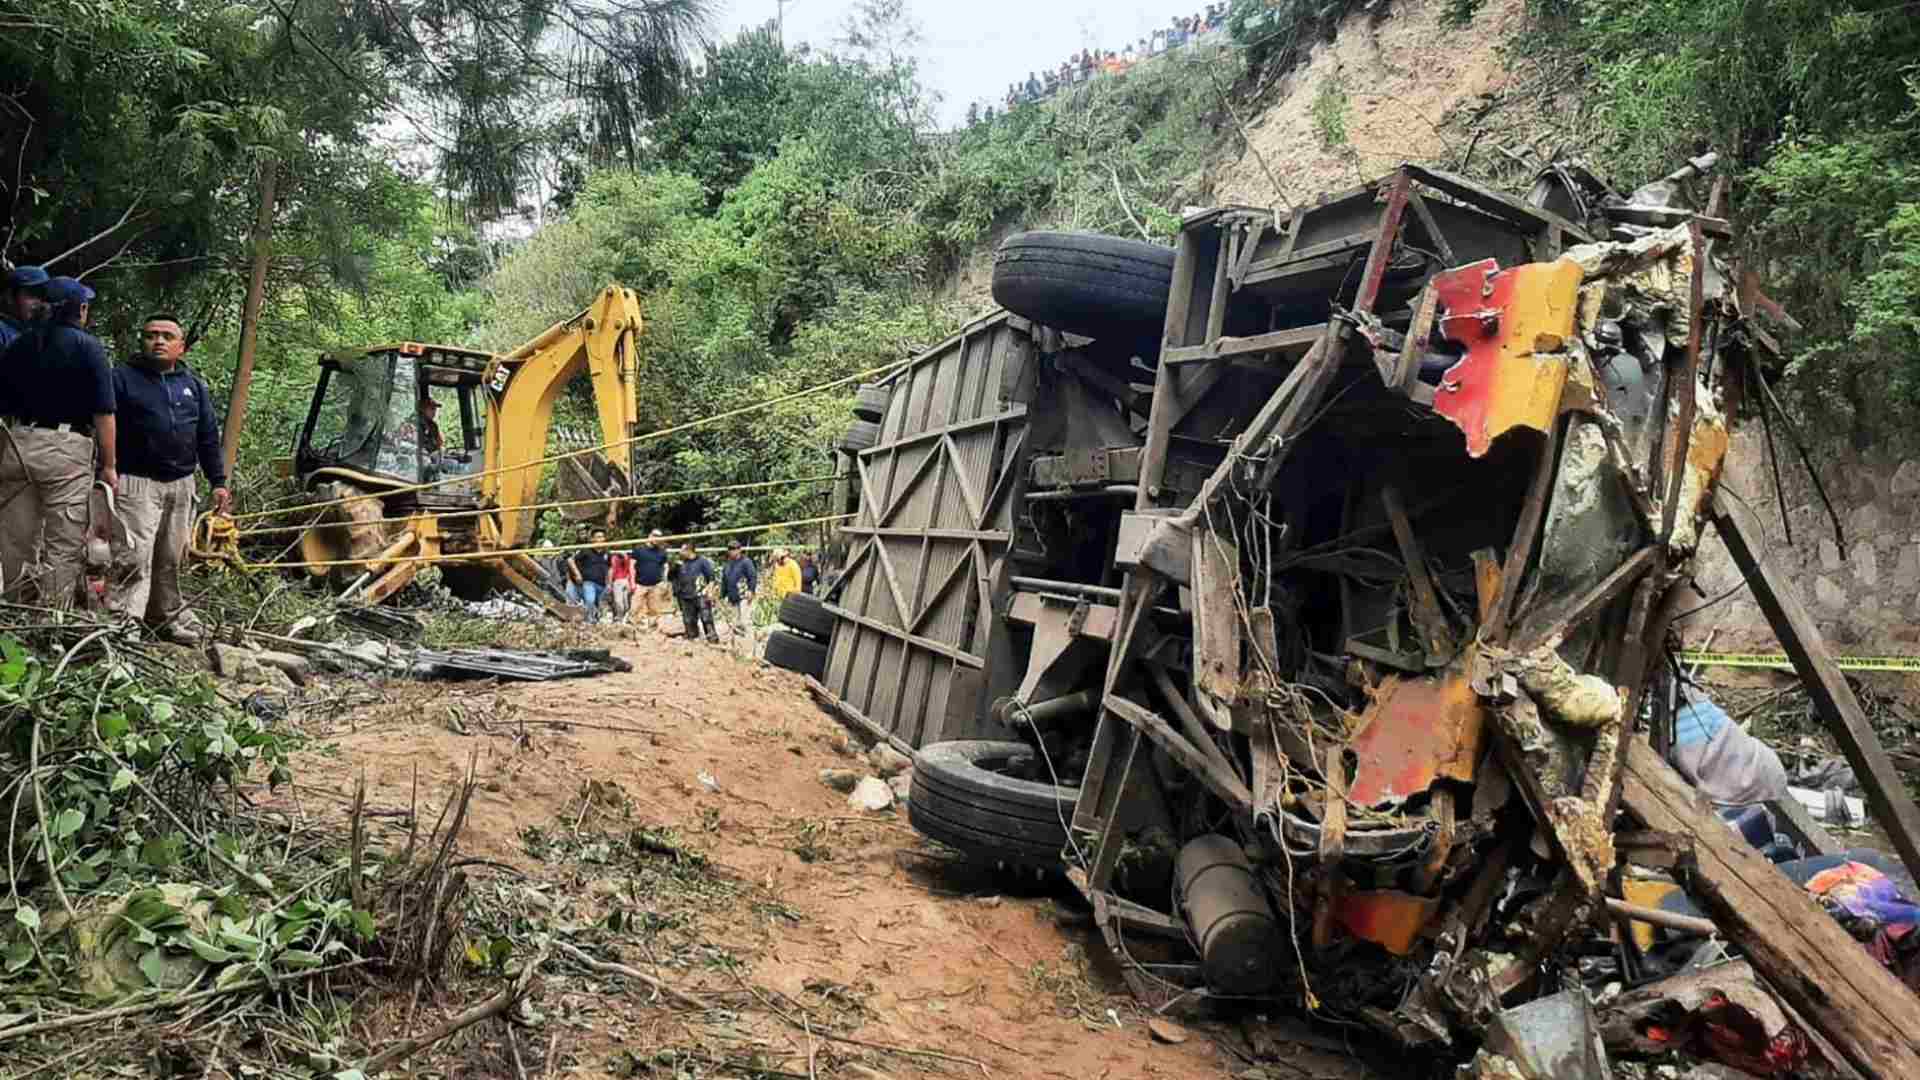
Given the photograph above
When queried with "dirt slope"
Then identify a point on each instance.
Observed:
(938, 956)
(1384, 91)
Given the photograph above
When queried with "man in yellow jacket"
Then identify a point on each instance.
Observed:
(786, 575)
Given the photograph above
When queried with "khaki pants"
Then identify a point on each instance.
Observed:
(655, 600)
(45, 478)
(153, 521)
(740, 617)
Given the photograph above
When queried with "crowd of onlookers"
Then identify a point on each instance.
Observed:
(652, 580)
(1089, 64)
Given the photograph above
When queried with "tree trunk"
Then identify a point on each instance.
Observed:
(250, 316)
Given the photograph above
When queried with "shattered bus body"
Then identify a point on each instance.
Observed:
(1306, 589)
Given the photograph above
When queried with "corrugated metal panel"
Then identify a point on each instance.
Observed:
(886, 684)
(948, 616)
(866, 653)
(902, 681)
(913, 697)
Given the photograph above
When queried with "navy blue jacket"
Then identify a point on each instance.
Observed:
(56, 373)
(688, 577)
(649, 565)
(733, 573)
(166, 424)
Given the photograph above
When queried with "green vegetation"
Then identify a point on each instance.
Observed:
(785, 216)
(1329, 112)
(1815, 107)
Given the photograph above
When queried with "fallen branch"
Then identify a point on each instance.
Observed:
(905, 1051)
(496, 1005)
(81, 1019)
(1120, 194)
(605, 967)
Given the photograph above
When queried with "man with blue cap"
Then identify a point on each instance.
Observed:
(58, 400)
(25, 301)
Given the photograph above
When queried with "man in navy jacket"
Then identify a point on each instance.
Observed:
(167, 431)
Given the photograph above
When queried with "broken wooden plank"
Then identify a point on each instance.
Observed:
(1801, 640)
(1815, 965)
(1227, 786)
(1525, 532)
(1562, 618)
(1792, 818)
(1286, 342)
(1406, 368)
(1216, 615)
(1499, 204)
(1427, 615)
(1333, 846)
(1486, 583)
(1683, 392)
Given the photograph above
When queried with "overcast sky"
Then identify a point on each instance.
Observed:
(974, 48)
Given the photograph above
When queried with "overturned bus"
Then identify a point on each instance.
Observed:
(1297, 587)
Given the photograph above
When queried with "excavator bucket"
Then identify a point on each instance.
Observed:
(594, 482)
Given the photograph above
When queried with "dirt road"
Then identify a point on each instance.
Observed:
(801, 911)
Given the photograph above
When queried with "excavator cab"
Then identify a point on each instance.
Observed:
(393, 416)
(434, 455)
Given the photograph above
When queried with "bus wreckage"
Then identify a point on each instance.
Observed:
(1305, 590)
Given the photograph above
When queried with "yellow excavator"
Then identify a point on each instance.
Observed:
(419, 480)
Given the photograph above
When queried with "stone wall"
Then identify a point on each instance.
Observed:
(1866, 594)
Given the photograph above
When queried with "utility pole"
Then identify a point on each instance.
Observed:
(781, 7)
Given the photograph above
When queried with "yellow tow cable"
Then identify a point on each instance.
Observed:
(482, 556)
(645, 496)
(629, 441)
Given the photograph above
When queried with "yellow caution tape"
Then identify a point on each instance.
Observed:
(1780, 662)
(557, 549)
(637, 497)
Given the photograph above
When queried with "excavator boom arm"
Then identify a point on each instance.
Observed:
(523, 385)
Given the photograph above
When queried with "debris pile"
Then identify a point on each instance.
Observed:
(1368, 714)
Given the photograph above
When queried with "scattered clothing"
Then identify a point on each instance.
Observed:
(1872, 908)
(1719, 757)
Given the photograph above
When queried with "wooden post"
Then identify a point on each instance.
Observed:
(1800, 639)
(250, 315)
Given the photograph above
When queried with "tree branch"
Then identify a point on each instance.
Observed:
(496, 1005)
(99, 236)
(1121, 194)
